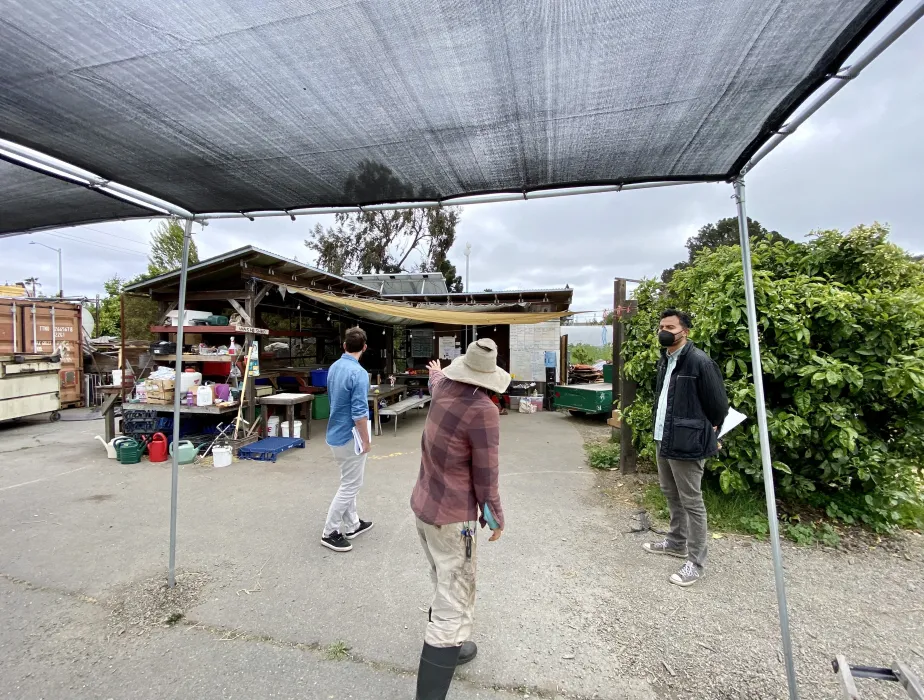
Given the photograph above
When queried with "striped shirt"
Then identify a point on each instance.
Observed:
(459, 455)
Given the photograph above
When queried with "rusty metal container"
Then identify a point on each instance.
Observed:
(10, 326)
(26, 327)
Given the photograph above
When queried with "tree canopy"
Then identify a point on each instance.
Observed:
(841, 320)
(402, 240)
(167, 249)
(723, 232)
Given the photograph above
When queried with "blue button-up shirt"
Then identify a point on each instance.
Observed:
(348, 389)
(661, 415)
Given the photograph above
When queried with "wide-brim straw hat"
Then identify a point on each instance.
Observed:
(478, 366)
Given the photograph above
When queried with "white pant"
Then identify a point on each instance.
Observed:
(452, 612)
(342, 513)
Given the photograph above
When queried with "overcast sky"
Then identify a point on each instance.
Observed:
(858, 160)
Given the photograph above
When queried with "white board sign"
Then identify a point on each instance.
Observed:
(528, 346)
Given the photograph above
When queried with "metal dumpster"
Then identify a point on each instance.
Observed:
(29, 386)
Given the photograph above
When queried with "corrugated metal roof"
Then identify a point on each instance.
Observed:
(404, 282)
(291, 271)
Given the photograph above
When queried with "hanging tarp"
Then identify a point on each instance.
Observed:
(392, 312)
(220, 106)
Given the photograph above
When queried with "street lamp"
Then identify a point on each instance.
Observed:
(60, 270)
(468, 254)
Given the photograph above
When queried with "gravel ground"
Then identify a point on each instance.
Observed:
(720, 639)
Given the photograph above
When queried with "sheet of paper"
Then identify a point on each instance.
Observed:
(447, 346)
(357, 440)
(732, 420)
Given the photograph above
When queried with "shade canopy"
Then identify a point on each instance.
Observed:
(401, 313)
(227, 105)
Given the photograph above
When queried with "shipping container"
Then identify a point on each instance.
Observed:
(44, 327)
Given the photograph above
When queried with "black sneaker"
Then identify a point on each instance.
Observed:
(364, 526)
(336, 542)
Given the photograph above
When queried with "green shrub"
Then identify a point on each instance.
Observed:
(603, 455)
(841, 323)
(583, 354)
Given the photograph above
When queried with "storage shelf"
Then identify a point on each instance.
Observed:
(223, 330)
(199, 358)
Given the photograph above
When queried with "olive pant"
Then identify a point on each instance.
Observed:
(681, 483)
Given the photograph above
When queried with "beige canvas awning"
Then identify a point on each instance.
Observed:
(398, 313)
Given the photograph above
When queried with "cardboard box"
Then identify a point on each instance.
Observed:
(160, 384)
(615, 420)
(159, 402)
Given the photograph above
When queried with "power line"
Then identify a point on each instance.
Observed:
(112, 235)
(98, 245)
(73, 234)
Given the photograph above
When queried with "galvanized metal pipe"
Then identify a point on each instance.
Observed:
(764, 435)
(175, 468)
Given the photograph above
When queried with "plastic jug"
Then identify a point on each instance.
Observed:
(189, 380)
(204, 396)
(186, 452)
(157, 448)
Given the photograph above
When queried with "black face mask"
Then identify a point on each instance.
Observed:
(666, 338)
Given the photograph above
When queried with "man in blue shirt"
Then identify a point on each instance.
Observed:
(348, 389)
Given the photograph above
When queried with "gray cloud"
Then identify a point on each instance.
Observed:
(855, 161)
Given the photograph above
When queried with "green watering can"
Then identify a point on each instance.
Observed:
(186, 452)
(128, 450)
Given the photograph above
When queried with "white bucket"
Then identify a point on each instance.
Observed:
(298, 429)
(117, 377)
(272, 426)
(221, 456)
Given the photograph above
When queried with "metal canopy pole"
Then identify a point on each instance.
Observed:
(177, 394)
(764, 438)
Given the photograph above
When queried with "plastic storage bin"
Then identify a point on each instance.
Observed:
(320, 407)
(319, 377)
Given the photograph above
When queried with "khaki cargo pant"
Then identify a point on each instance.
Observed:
(453, 576)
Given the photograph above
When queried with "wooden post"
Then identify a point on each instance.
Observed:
(250, 306)
(122, 344)
(623, 387)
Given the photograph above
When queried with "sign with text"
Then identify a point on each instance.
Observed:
(251, 329)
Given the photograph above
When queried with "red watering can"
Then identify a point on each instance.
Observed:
(157, 448)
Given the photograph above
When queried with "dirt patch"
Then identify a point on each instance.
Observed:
(150, 603)
(97, 498)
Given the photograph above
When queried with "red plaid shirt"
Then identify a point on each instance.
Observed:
(459, 455)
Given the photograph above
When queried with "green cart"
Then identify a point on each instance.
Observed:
(584, 399)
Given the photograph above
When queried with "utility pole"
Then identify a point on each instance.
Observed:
(60, 269)
(468, 255)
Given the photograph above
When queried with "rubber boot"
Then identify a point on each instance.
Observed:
(434, 675)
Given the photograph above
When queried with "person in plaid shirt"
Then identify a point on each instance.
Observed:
(457, 488)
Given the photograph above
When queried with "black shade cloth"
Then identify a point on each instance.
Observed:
(231, 105)
(31, 200)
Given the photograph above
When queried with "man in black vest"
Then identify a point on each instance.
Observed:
(690, 405)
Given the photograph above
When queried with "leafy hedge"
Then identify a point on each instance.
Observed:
(841, 320)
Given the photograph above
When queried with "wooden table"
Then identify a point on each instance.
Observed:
(113, 396)
(385, 391)
(196, 410)
(290, 401)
